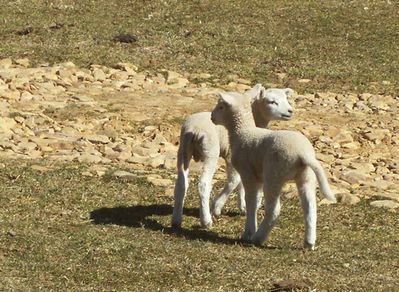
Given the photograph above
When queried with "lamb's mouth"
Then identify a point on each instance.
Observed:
(286, 117)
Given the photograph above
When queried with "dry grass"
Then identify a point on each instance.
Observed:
(63, 231)
(340, 45)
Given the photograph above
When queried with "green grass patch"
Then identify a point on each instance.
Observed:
(63, 231)
(340, 45)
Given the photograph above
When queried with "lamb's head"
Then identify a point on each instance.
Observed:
(273, 104)
(230, 107)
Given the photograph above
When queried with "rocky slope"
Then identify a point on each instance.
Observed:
(105, 116)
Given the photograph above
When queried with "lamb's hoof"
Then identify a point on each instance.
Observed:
(176, 225)
(216, 211)
(308, 246)
(206, 224)
(246, 237)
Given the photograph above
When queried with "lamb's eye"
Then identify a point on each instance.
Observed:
(220, 107)
(272, 102)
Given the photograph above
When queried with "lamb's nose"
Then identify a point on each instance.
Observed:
(290, 111)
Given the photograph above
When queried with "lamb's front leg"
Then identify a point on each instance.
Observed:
(233, 179)
(204, 188)
(251, 194)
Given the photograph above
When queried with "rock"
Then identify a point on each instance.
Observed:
(10, 95)
(89, 158)
(377, 135)
(347, 198)
(354, 177)
(99, 75)
(343, 137)
(158, 181)
(363, 167)
(83, 98)
(143, 151)
(97, 139)
(387, 204)
(381, 185)
(304, 80)
(5, 63)
(157, 161)
(128, 67)
(137, 159)
(125, 175)
(7, 124)
(24, 62)
(41, 168)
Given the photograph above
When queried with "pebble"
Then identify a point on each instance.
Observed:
(386, 204)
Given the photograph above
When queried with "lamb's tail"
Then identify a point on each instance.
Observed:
(315, 165)
(185, 151)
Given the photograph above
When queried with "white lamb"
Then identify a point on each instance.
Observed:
(201, 139)
(268, 159)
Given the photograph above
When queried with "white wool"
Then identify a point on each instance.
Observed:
(268, 159)
(206, 142)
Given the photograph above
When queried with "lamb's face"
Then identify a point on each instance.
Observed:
(218, 115)
(274, 104)
(225, 108)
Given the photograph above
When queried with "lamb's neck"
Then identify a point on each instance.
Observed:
(259, 119)
(239, 123)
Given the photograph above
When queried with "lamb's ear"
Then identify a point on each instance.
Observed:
(254, 92)
(226, 98)
(288, 91)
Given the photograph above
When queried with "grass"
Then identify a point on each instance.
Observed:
(339, 45)
(63, 231)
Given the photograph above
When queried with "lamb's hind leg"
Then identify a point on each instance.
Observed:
(233, 179)
(204, 188)
(251, 195)
(272, 211)
(184, 155)
(306, 184)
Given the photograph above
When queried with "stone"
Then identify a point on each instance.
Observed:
(24, 62)
(89, 158)
(41, 168)
(347, 198)
(377, 134)
(10, 95)
(97, 139)
(354, 176)
(83, 98)
(99, 75)
(386, 204)
(5, 63)
(137, 159)
(128, 67)
(158, 181)
(343, 137)
(7, 125)
(381, 185)
(125, 175)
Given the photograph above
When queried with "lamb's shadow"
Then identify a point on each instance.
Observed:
(139, 217)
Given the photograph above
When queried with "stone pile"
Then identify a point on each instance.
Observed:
(102, 115)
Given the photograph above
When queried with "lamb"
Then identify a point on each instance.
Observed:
(204, 141)
(269, 158)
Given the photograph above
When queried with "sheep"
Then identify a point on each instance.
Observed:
(269, 158)
(202, 140)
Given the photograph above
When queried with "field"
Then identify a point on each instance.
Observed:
(70, 220)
